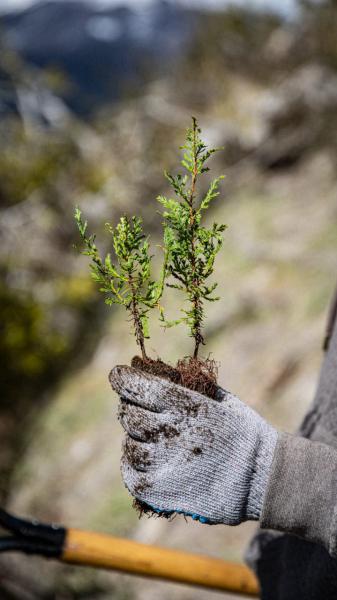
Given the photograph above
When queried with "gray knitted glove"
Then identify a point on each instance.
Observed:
(185, 453)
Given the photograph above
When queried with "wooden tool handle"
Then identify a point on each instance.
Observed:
(105, 551)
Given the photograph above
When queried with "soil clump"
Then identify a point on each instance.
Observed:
(193, 373)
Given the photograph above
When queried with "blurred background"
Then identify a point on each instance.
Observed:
(95, 98)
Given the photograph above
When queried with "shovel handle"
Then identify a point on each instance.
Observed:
(108, 552)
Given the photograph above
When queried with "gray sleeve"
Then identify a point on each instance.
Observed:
(320, 423)
(301, 496)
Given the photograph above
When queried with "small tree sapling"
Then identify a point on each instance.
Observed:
(126, 281)
(190, 249)
(193, 246)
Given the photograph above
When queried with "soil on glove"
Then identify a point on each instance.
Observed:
(193, 373)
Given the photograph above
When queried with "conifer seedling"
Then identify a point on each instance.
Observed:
(190, 249)
(193, 247)
(126, 280)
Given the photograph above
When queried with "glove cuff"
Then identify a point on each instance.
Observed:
(261, 471)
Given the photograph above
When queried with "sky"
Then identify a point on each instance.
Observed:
(286, 6)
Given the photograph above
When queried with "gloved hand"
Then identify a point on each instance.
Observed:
(186, 453)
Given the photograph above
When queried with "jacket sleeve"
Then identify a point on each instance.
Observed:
(301, 496)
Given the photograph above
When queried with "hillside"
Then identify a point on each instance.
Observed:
(266, 91)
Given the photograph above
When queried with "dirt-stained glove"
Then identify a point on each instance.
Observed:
(186, 453)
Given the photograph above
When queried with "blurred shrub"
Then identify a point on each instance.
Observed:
(319, 31)
(34, 348)
(45, 301)
(33, 163)
(230, 42)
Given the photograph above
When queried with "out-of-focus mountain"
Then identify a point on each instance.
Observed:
(103, 53)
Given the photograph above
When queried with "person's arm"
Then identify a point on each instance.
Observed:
(320, 423)
(271, 554)
(301, 495)
(220, 462)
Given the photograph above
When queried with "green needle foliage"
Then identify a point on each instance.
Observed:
(192, 246)
(126, 281)
(189, 248)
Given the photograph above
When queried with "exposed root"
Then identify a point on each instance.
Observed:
(199, 375)
(144, 509)
(193, 373)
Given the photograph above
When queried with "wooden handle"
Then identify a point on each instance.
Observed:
(105, 551)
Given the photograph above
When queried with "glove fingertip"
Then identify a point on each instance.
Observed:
(118, 376)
